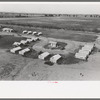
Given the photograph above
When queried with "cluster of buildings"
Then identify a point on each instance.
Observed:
(32, 33)
(24, 42)
(19, 49)
(42, 56)
(7, 30)
(53, 59)
(85, 51)
(24, 32)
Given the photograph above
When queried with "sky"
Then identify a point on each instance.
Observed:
(51, 7)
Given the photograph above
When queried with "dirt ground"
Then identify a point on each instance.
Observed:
(16, 67)
(36, 70)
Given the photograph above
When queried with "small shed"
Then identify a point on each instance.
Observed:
(16, 43)
(25, 31)
(85, 52)
(34, 38)
(23, 42)
(29, 40)
(34, 33)
(43, 55)
(88, 47)
(55, 58)
(53, 44)
(15, 49)
(7, 30)
(22, 52)
(81, 56)
(29, 32)
(39, 33)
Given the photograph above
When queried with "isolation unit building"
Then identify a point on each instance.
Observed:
(16, 44)
(34, 33)
(34, 38)
(55, 58)
(23, 42)
(39, 33)
(22, 52)
(84, 51)
(15, 49)
(29, 40)
(43, 55)
(25, 31)
(53, 44)
(88, 47)
(81, 56)
(7, 30)
(29, 32)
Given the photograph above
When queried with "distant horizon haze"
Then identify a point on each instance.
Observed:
(51, 7)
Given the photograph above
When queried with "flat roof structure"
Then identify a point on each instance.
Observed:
(43, 55)
(25, 31)
(15, 49)
(29, 32)
(23, 41)
(7, 30)
(22, 52)
(55, 58)
(16, 43)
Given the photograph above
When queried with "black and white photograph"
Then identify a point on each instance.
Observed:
(49, 41)
(49, 49)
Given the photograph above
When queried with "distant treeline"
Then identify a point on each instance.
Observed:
(8, 14)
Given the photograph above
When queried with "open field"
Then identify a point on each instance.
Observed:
(7, 41)
(78, 29)
(77, 24)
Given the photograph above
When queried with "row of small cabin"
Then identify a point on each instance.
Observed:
(20, 50)
(24, 32)
(33, 33)
(53, 59)
(85, 51)
(25, 41)
(42, 56)
(7, 30)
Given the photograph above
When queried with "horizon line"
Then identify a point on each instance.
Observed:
(46, 13)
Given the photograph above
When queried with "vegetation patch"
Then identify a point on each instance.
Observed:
(5, 71)
(60, 46)
(32, 54)
(7, 41)
(68, 59)
(75, 24)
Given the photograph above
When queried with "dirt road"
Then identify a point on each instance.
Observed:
(37, 70)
